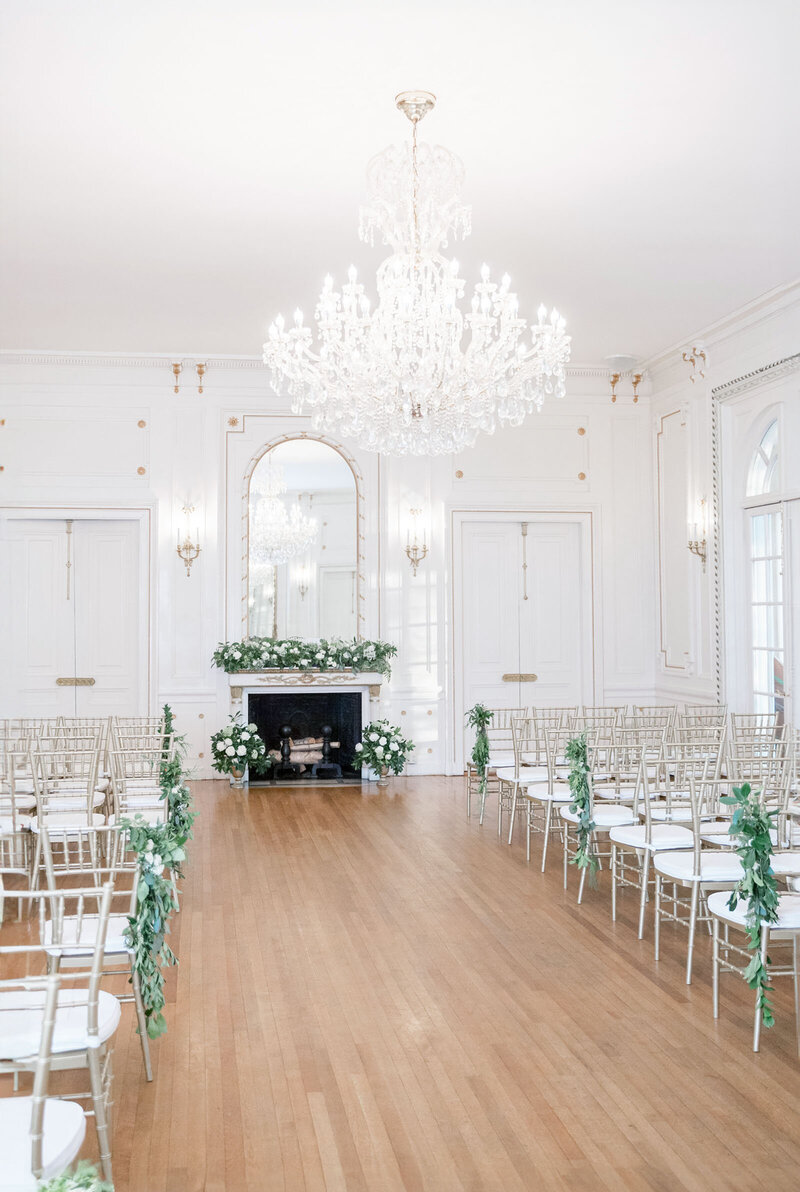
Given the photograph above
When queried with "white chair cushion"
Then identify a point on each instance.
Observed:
(64, 1130)
(715, 866)
(526, 774)
(500, 758)
(560, 793)
(604, 817)
(21, 1022)
(64, 821)
(788, 911)
(662, 836)
(7, 824)
(786, 864)
(73, 944)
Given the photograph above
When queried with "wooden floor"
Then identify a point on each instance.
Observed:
(375, 993)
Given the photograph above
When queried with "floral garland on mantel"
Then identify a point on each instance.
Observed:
(293, 653)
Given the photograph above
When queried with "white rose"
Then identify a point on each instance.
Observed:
(253, 728)
(378, 751)
(227, 742)
(237, 654)
(373, 736)
(241, 751)
(220, 745)
(382, 741)
(394, 747)
(245, 736)
(359, 747)
(231, 752)
(157, 865)
(319, 655)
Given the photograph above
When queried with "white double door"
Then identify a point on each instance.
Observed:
(71, 610)
(525, 605)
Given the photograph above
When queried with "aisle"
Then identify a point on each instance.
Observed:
(376, 995)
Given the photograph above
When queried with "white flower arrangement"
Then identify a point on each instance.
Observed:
(237, 746)
(266, 653)
(382, 744)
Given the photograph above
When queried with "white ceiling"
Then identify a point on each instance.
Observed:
(174, 173)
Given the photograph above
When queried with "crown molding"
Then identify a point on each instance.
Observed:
(30, 357)
(758, 376)
(749, 315)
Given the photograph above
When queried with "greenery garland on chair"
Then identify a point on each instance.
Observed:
(160, 848)
(85, 1178)
(480, 717)
(751, 825)
(577, 755)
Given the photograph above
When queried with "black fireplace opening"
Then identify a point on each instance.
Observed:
(314, 718)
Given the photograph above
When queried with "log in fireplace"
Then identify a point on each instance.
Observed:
(307, 714)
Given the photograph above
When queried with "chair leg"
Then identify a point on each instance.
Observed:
(757, 1023)
(142, 1020)
(657, 917)
(100, 1121)
(566, 851)
(548, 817)
(513, 815)
(499, 808)
(469, 794)
(528, 833)
(715, 969)
(580, 887)
(613, 883)
(483, 800)
(644, 876)
(692, 929)
(796, 975)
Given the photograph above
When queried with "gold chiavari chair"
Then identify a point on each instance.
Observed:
(702, 716)
(93, 856)
(40, 1136)
(525, 771)
(68, 799)
(543, 797)
(86, 1017)
(136, 783)
(604, 816)
(501, 756)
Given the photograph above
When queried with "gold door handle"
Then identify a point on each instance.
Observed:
(520, 678)
(75, 682)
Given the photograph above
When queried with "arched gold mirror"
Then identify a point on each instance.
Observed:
(302, 543)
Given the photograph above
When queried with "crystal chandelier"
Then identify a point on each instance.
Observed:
(275, 533)
(416, 376)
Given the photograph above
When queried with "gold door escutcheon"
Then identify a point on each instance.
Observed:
(520, 678)
(75, 682)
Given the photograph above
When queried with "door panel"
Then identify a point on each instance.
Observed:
(522, 621)
(65, 622)
(107, 617)
(550, 619)
(38, 630)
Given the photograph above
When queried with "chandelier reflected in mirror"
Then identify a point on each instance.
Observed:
(416, 375)
(277, 533)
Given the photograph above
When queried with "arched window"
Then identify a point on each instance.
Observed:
(766, 577)
(763, 475)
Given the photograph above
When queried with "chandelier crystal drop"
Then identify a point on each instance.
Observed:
(415, 375)
(277, 534)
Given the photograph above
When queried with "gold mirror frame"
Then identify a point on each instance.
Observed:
(360, 523)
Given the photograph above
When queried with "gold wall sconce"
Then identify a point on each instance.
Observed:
(187, 549)
(637, 380)
(697, 357)
(614, 382)
(415, 549)
(177, 368)
(201, 372)
(698, 536)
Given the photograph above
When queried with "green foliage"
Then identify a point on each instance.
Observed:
(292, 653)
(160, 849)
(751, 825)
(479, 717)
(86, 1178)
(578, 757)
(237, 746)
(382, 744)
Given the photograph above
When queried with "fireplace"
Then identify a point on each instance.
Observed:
(307, 713)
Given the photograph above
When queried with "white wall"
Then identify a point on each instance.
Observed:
(108, 432)
(752, 366)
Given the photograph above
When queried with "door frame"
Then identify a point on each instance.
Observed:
(591, 661)
(143, 514)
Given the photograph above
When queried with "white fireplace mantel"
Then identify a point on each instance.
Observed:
(243, 684)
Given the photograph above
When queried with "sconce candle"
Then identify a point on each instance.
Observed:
(415, 549)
